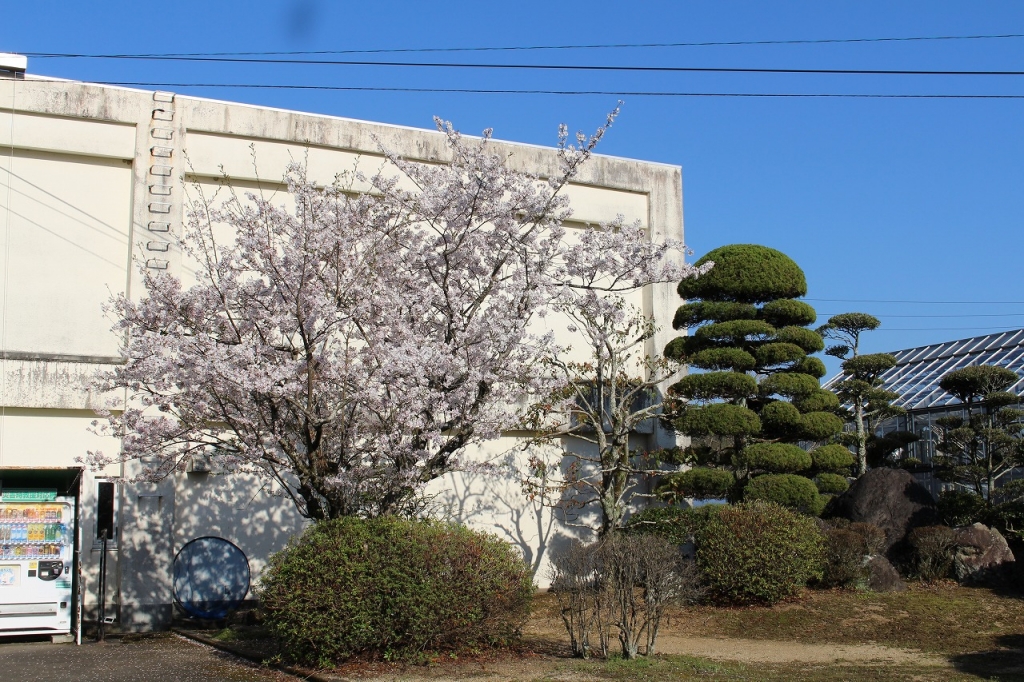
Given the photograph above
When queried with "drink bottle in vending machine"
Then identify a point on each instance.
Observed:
(36, 562)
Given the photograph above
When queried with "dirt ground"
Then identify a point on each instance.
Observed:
(692, 646)
(932, 632)
(546, 627)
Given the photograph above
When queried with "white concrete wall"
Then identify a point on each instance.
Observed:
(93, 176)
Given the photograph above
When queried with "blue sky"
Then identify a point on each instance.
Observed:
(877, 199)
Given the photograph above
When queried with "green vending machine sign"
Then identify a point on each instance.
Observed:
(15, 495)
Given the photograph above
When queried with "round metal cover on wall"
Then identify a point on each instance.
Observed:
(211, 577)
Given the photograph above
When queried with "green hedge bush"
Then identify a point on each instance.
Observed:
(832, 484)
(788, 490)
(758, 552)
(933, 551)
(702, 483)
(776, 457)
(393, 588)
(675, 524)
(961, 507)
(844, 558)
(835, 459)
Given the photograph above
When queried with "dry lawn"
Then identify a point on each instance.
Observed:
(931, 632)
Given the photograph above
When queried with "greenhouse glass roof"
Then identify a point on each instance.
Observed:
(918, 370)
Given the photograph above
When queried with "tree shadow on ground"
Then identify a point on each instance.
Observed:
(1006, 662)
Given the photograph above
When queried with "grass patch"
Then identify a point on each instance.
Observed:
(939, 618)
(694, 668)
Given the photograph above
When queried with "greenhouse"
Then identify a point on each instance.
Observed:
(916, 379)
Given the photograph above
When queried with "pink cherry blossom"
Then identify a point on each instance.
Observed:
(351, 349)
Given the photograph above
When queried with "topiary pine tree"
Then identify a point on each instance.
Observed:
(861, 387)
(986, 442)
(757, 395)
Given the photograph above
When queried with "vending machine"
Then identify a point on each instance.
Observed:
(36, 562)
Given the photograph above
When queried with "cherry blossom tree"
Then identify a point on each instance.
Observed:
(351, 349)
(609, 383)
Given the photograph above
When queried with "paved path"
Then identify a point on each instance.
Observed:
(153, 659)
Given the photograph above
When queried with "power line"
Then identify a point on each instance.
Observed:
(556, 67)
(520, 48)
(936, 316)
(934, 329)
(878, 300)
(607, 93)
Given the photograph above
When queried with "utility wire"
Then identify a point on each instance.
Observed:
(883, 315)
(935, 329)
(521, 48)
(869, 300)
(561, 67)
(609, 93)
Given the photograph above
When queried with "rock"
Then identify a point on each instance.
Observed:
(982, 556)
(882, 577)
(891, 499)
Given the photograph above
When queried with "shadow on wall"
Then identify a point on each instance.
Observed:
(239, 508)
(495, 502)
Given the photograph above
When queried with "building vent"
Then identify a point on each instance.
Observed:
(12, 65)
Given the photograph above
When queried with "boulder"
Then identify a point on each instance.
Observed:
(982, 556)
(882, 577)
(891, 499)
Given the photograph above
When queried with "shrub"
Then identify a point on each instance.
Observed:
(873, 536)
(701, 483)
(844, 558)
(626, 581)
(1008, 518)
(912, 464)
(961, 507)
(834, 459)
(933, 551)
(393, 588)
(758, 552)
(675, 524)
(833, 484)
(788, 490)
(776, 457)
(847, 546)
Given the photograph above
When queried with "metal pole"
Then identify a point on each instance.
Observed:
(103, 585)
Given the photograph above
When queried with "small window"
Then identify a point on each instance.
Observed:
(105, 505)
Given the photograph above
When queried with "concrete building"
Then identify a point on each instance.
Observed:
(93, 179)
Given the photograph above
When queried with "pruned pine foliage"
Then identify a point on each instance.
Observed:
(753, 394)
(982, 445)
(861, 387)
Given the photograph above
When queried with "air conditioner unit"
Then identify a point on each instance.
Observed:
(200, 463)
(13, 63)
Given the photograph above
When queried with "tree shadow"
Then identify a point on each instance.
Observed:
(1006, 662)
(495, 501)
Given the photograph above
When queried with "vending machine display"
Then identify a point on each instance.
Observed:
(36, 563)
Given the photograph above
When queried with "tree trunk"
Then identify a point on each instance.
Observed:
(862, 441)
